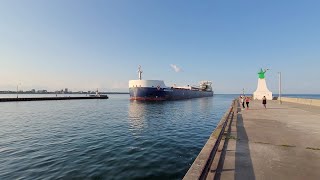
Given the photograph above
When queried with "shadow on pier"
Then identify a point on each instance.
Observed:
(237, 137)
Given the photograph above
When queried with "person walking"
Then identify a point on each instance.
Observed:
(242, 101)
(247, 102)
(264, 101)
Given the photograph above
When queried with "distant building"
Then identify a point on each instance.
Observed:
(42, 91)
(33, 91)
(66, 90)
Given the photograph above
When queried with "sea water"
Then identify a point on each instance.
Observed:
(105, 139)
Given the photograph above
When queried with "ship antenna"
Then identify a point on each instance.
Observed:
(139, 72)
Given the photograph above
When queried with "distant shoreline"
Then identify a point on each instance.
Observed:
(305, 96)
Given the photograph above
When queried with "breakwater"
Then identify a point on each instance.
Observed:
(277, 142)
(202, 164)
(312, 102)
(51, 98)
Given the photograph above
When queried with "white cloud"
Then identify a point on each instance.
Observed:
(175, 68)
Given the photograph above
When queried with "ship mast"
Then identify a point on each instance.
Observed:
(139, 72)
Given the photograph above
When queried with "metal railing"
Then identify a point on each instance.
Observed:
(201, 166)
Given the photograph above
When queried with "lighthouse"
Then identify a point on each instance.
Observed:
(262, 89)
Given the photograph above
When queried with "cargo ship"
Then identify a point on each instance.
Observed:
(156, 90)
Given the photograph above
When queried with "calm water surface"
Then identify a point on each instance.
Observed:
(305, 96)
(105, 139)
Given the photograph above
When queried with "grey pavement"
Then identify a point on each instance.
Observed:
(280, 142)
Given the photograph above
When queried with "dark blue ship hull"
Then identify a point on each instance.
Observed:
(161, 94)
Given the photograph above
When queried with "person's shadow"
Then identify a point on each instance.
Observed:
(243, 162)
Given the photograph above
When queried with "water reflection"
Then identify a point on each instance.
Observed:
(142, 113)
(205, 103)
(137, 116)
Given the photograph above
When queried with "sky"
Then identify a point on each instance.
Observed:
(84, 45)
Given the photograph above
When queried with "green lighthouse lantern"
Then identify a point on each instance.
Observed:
(261, 74)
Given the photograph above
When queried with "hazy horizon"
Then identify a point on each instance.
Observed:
(82, 45)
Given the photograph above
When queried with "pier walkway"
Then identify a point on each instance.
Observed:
(280, 142)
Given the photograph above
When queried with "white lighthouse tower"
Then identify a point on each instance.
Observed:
(262, 89)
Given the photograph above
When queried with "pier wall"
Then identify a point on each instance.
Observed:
(277, 142)
(51, 98)
(312, 102)
(201, 166)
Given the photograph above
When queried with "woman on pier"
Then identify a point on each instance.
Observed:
(264, 101)
(242, 101)
(247, 101)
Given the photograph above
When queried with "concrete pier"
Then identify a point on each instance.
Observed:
(311, 102)
(52, 98)
(280, 142)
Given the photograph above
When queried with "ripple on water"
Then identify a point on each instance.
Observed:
(105, 139)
